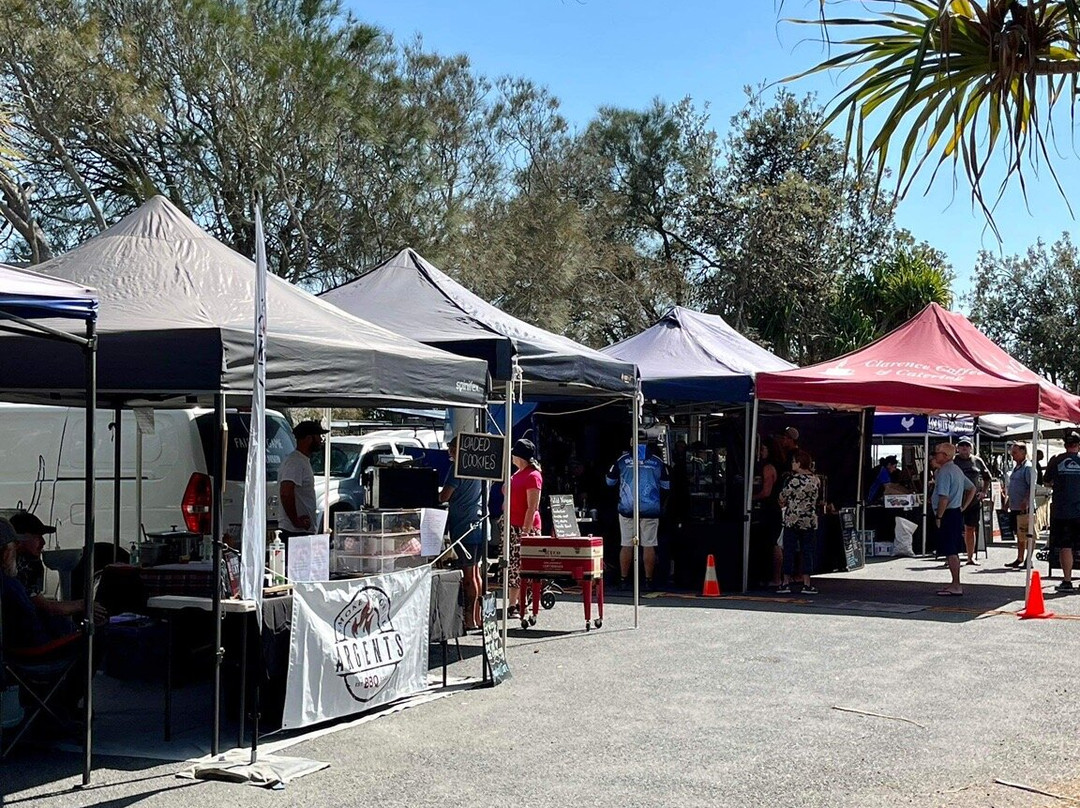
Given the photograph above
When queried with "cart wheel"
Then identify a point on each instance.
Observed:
(525, 623)
(588, 626)
(532, 619)
(598, 622)
(547, 600)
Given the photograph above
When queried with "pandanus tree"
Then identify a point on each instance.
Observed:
(936, 83)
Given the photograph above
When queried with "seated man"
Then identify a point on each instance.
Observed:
(22, 625)
(57, 614)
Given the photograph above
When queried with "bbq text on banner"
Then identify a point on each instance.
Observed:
(356, 645)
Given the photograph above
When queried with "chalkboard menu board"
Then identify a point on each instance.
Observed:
(564, 522)
(493, 647)
(1005, 525)
(854, 552)
(479, 457)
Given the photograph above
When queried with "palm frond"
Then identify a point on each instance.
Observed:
(954, 81)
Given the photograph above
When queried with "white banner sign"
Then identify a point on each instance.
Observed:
(356, 645)
(253, 533)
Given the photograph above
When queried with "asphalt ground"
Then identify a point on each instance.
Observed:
(720, 702)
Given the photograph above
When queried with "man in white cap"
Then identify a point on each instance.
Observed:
(296, 481)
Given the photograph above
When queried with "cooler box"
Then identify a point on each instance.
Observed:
(549, 557)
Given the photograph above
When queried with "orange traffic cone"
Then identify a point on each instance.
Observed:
(1035, 606)
(712, 586)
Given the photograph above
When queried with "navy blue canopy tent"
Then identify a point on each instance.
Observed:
(687, 356)
(28, 295)
(690, 358)
(26, 299)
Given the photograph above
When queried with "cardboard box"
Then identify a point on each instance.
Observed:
(867, 538)
(883, 548)
(905, 501)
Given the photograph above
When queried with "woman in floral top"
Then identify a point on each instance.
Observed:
(799, 499)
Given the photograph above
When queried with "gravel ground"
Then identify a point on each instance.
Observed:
(727, 702)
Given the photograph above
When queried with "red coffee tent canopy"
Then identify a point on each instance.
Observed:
(936, 362)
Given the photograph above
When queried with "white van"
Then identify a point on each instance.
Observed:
(43, 462)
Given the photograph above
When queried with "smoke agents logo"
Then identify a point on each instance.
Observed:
(367, 647)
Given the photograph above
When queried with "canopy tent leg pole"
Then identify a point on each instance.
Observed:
(138, 478)
(117, 474)
(748, 488)
(88, 546)
(1032, 534)
(926, 494)
(859, 479)
(220, 446)
(508, 471)
(480, 425)
(326, 526)
(635, 426)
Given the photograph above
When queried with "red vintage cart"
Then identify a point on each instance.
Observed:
(546, 558)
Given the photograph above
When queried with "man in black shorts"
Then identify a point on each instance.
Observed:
(1063, 476)
(975, 470)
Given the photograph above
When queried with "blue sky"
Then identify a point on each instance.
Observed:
(592, 53)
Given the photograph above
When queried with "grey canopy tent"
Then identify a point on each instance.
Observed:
(409, 295)
(26, 298)
(177, 321)
(176, 325)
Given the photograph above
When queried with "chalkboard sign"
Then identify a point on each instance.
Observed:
(854, 551)
(987, 533)
(1005, 524)
(493, 647)
(479, 457)
(563, 516)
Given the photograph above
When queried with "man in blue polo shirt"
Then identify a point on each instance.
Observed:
(953, 492)
(652, 481)
(1063, 476)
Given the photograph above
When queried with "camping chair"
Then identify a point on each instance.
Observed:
(42, 673)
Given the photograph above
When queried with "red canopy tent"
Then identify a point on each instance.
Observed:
(936, 362)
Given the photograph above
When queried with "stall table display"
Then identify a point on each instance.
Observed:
(546, 558)
(375, 542)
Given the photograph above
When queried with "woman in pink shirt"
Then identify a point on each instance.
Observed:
(524, 509)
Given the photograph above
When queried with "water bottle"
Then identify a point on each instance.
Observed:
(134, 558)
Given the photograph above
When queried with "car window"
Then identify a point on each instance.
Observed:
(343, 460)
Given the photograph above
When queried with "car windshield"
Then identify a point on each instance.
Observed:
(343, 460)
